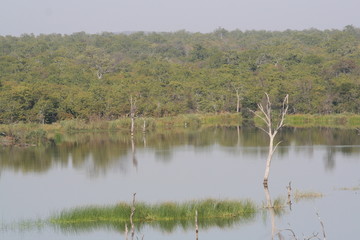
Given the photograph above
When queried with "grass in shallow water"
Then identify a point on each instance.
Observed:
(299, 195)
(168, 211)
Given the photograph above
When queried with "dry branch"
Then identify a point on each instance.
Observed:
(322, 226)
(313, 236)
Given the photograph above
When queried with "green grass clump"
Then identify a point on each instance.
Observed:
(73, 125)
(168, 211)
(333, 120)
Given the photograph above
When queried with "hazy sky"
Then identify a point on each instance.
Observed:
(96, 16)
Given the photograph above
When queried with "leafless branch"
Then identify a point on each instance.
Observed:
(285, 107)
(293, 235)
(258, 115)
(276, 147)
(322, 225)
(313, 236)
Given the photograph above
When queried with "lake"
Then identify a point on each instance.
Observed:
(179, 165)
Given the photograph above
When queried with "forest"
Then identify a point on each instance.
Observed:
(48, 78)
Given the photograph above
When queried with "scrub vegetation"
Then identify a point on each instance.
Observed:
(51, 78)
(25, 134)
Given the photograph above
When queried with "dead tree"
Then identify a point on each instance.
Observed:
(132, 114)
(238, 90)
(271, 128)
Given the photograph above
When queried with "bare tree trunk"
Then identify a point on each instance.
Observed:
(132, 114)
(268, 198)
(268, 161)
(144, 126)
(238, 90)
(132, 125)
(144, 140)
(238, 98)
(144, 133)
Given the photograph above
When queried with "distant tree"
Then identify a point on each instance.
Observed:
(199, 52)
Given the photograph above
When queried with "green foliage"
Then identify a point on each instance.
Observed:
(25, 134)
(36, 136)
(350, 121)
(50, 78)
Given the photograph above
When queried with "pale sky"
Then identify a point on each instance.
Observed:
(95, 16)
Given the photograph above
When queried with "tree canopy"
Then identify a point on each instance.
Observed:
(47, 78)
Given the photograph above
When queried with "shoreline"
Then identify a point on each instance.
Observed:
(35, 134)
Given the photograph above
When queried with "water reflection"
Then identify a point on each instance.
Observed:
(163, 226)
(274, 209)
(133, 153)
(99, 152)
(183, 165)
(330, 158)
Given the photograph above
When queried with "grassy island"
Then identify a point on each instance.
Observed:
(167, 211)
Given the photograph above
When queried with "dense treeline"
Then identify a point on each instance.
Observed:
(47, 78)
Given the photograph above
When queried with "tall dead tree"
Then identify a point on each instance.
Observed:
(238, 91)
(132, 128)
(271, 128)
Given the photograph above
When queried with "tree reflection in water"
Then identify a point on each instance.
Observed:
(107, 150)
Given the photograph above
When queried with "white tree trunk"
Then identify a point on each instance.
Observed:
(132, 125)
(238, 98)
(132, 114)
(268, 160)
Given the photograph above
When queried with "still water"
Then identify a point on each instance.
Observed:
(223, 163)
